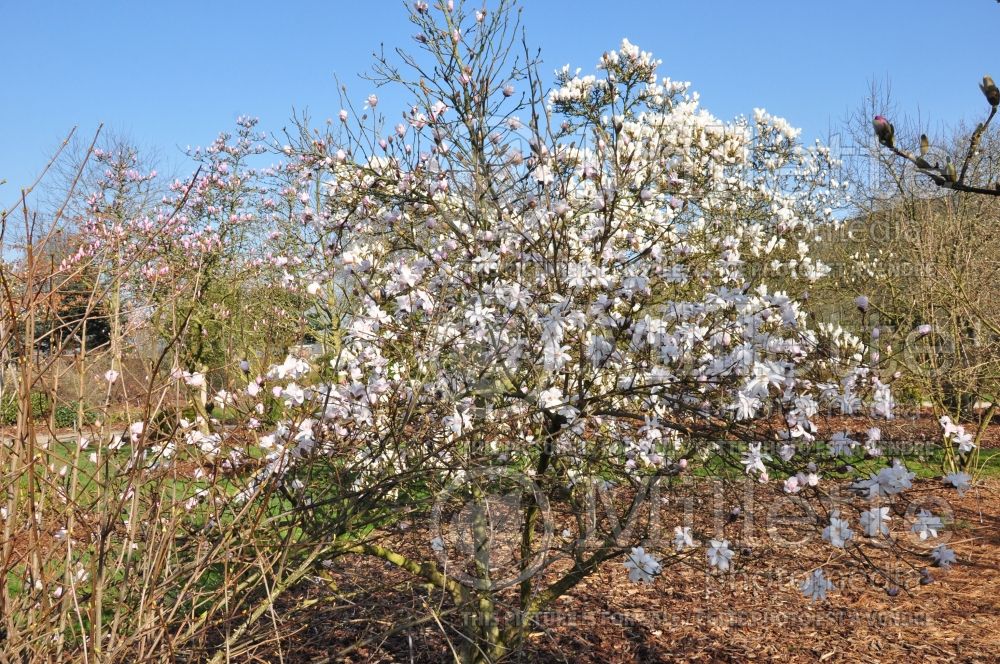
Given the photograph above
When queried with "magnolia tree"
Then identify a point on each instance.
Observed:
(545, 316)
(187, 264)
(922, 255)
(942, 170)
(121, 540)
(549, 303)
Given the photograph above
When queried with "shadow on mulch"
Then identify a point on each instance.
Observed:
(757, 613)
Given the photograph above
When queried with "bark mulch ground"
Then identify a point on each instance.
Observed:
(756, 613)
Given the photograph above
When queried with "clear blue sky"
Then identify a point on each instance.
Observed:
(173, 73)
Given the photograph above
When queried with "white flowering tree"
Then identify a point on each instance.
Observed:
(542, 298)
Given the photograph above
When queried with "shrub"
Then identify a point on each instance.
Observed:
(65, 415)
(39, 404)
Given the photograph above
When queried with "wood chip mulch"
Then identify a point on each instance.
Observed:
(757, 613)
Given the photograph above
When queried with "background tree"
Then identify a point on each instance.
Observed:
(925, 259)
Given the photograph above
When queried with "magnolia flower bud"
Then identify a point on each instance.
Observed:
(924, 330)
(925, 145)
(862, 303)
(343, 115)
(508, 90)
(884, 131)
(949, 171)
(683, 463)
(990, 91)
(876, 333)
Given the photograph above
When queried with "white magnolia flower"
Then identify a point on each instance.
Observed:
(292, 368)
(550, 398)
(887, 482)
(642, 566)
(943, 556)
(719, 555)
(111, 376)
(754, 460)
(961, 481)
(194, 379)
(874, 435)
(949, 427)
(841, 444)
(927, 525)
(293, 395)
(135, 430)
(816, 585)
(683, 538)
(838, 532)
(964, 441)
(873, 521)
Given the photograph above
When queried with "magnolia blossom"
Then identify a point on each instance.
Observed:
(550, 398)
(642, 566)
(683, 538)
(964, 441)
(841, 444)
(292, 368)
(719, 555)
(816, 585)
(135, 431)
(956, 434)
(873, 436)
(960, 480)
(753, 460)
(926, 525)
(838, 532)
(111, 375)
(791, 485)
(627, 275)
(194, 379)
(887, 482)
(873, 521)
(943, 556)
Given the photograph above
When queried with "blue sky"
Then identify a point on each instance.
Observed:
(174, 73)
